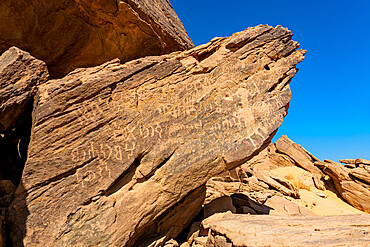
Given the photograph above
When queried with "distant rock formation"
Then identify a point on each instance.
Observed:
(82, 33)
(353, 184)
(120, 153)
(273, 173)
(275, 200)
(352, 163)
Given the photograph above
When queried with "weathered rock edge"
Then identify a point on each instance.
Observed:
(120, 150)
(20, 74)
(352, 184)
(83, 33)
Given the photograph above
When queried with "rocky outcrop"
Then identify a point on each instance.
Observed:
(259, 230)
(355, 162)
(301, 157)
(353, 184)
(120, 153)
(276, 183)
(80, 33)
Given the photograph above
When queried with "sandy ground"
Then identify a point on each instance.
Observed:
(320, 202)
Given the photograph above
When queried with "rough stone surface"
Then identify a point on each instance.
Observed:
(267, 230)
(20, 73)
(352, 184)
(303, 158)
(269, 159)
(82, 33)
(219, 205)
(277, 182)
(266, 184)
(115, 149)
(355, 161)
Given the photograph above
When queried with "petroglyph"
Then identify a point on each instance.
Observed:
(102, 151)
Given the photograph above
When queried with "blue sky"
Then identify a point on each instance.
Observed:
(330, 109)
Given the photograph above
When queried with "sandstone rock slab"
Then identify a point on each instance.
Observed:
(266, 230)
(352, 184)
(302, 157)
(219, 205)
(281, 183)
(282, 206)
(356, 161)
(82, 33)
(119, 150)
(20, 73)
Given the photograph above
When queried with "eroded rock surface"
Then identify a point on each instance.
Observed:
(276, 183)
(120, 153)
(355, 162)
(302, 158)
(264, 230)
(20, 73)
(81, 33)
(353, 184)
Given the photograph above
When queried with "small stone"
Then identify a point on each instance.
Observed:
(321, 194)
(201, 241)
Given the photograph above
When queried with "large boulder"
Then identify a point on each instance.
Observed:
(20, 74)
(80, 33)
(120, 153)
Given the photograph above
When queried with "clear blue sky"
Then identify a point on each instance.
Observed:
(330, 109)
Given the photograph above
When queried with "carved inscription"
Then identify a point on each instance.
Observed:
(102, 151)
(178, 110)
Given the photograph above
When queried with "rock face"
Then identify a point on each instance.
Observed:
(273, 184)
(81, 33)
(355, 162)
(20, 74)
(353, 184)
(302, 158)
(120, 153)
(260, 230)
(282, 180)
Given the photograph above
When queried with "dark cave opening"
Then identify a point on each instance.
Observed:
(14, 153)
(14, 147)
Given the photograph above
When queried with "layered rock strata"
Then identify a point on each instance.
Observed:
(353, 184)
